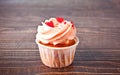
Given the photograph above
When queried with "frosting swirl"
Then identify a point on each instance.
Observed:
(56, 31)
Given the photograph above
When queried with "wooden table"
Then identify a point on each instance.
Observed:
(98, 28)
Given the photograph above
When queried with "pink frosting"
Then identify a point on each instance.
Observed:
(56, 31)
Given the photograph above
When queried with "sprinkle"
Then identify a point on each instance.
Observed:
(65, 22)
(72, 24)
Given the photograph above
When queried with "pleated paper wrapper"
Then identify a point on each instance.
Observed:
(57, 57)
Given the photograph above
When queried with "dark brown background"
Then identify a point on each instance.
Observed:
(98, 28)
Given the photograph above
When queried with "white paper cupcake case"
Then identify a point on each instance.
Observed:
(57, 57)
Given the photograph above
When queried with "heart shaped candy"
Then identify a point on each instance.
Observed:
(50, 24)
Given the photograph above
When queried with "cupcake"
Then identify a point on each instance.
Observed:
(57, 41)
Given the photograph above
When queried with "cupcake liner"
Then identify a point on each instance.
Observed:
(57, 57)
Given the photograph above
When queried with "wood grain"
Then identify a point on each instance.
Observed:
(98, 29)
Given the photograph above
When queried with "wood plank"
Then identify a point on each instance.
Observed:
(98, 37)
(93, 3)
(79, 20)
(113, 30)
(75, 73)
(18, 44)
(82, 69)
(81, 55)
(94, 41)
(33, 63)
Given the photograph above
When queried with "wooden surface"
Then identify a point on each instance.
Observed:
(98, 28)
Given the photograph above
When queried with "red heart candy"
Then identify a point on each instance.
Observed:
(60, 19)
(49, 24)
